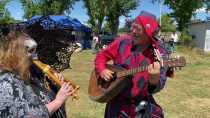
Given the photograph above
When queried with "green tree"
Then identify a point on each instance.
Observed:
(2, 7)
(5, 17)
(207, 4)
(167, 24)
(106, 27)
(117, 8)
(31, 8)
(187, 38)
(109, 10)
(46, 7)
(49, 7)
(96, 10)
(182, 10)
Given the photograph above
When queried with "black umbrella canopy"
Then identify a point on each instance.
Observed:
(55, 46)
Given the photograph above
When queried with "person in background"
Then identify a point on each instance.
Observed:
(174, 41)
(95, 43)
(17, 97)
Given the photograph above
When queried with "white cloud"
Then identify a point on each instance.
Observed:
(201, 10)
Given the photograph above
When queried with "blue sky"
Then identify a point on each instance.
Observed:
(79, 11)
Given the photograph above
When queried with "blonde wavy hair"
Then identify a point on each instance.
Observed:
(13, 55)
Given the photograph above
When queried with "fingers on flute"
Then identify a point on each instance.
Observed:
(59, 76)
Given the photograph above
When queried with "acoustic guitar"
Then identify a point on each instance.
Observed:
(103, 91)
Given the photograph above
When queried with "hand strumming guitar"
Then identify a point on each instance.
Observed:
(154, 73)
(107, 74)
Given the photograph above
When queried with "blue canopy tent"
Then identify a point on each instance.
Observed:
(58, 22)
(81, 26)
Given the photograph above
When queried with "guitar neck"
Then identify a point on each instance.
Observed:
(132, 71)
(165, 63)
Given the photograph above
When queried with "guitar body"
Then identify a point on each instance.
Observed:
(102, 91)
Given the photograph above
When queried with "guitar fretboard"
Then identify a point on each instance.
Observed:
(132, 71)
(166, 63)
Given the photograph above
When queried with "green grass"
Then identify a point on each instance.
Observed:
(187, 95)
(82, 65)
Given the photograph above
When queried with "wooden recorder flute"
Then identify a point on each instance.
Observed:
(46, 69)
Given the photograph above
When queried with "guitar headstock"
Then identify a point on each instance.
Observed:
(175, 62)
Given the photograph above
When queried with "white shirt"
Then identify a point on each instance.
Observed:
(95, 38)
(175, 37)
